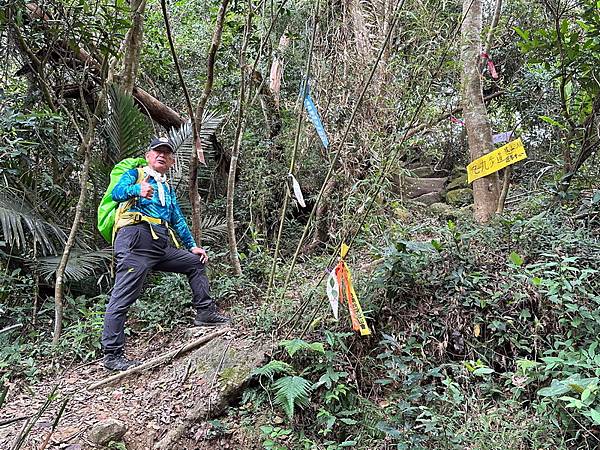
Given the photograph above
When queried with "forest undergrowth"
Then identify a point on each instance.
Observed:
(483, 337)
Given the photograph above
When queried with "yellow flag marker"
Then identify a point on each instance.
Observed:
(344, 250)
(346, 290)
(498, 159)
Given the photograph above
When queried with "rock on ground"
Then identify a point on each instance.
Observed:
(459, 197)
(414, 187)
(106, 431)
(430, 198)
(460, 182)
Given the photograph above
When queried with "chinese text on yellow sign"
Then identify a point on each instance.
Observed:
(498, 159)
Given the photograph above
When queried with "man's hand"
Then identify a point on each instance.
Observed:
(146, 190)
(201, 253)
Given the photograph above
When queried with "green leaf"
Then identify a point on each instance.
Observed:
(20, 223)
(552, 359)
(553, 122)
(266, 429)
(587, 392)
(483, 371)
(516, 259)
(127, 128)
(295, 345)
(595, 416)
(81, 264)
(555, 389)
(523, 34)
(388, 430)
(437, 245)
(348, 421)
(292, 392)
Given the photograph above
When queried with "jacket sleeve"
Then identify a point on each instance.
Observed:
(126, 188)
(178, 223)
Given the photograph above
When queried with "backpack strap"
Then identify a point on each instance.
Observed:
(126, 206)
(140, 171)
(129, 218)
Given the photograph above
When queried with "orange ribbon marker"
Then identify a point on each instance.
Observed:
(346, 290)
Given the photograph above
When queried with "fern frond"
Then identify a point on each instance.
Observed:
(272, 368)
(81, 264)
(292, 392)
(295, 345)
(127, 128)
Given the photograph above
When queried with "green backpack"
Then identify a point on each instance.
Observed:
(107, 210)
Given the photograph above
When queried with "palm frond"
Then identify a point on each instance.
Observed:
(213, 228)
(52, 203)
(127, 128)
(184, 146)
(81, 264)
(19, 219)
(292, 392)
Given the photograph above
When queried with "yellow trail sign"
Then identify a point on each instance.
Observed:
(498, 159)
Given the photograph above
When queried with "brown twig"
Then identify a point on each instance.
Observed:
(504, 192)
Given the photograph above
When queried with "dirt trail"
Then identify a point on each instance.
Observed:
(158, 406)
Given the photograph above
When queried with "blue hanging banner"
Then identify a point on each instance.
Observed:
(311, 109)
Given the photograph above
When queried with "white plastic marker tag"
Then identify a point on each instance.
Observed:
(333, 293)
(297, 190)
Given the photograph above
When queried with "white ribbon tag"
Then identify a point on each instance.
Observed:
(333, 293)
(297, 191)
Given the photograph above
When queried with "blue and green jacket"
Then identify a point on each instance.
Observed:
(128, 188)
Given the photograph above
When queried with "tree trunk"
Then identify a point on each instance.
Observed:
(361, 33)
(235, 152)
(86, 148)
(479, 132)
(157, 110)
(195, 159)
(133, 45)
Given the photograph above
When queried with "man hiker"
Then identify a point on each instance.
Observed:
(142, 244)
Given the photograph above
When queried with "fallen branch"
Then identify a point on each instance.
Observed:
(159, 359)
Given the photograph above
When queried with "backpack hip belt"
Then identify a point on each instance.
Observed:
(132, 218)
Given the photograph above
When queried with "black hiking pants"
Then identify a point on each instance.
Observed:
(136, 254)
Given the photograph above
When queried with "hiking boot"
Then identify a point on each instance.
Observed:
(209, 317)
(119, 362)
